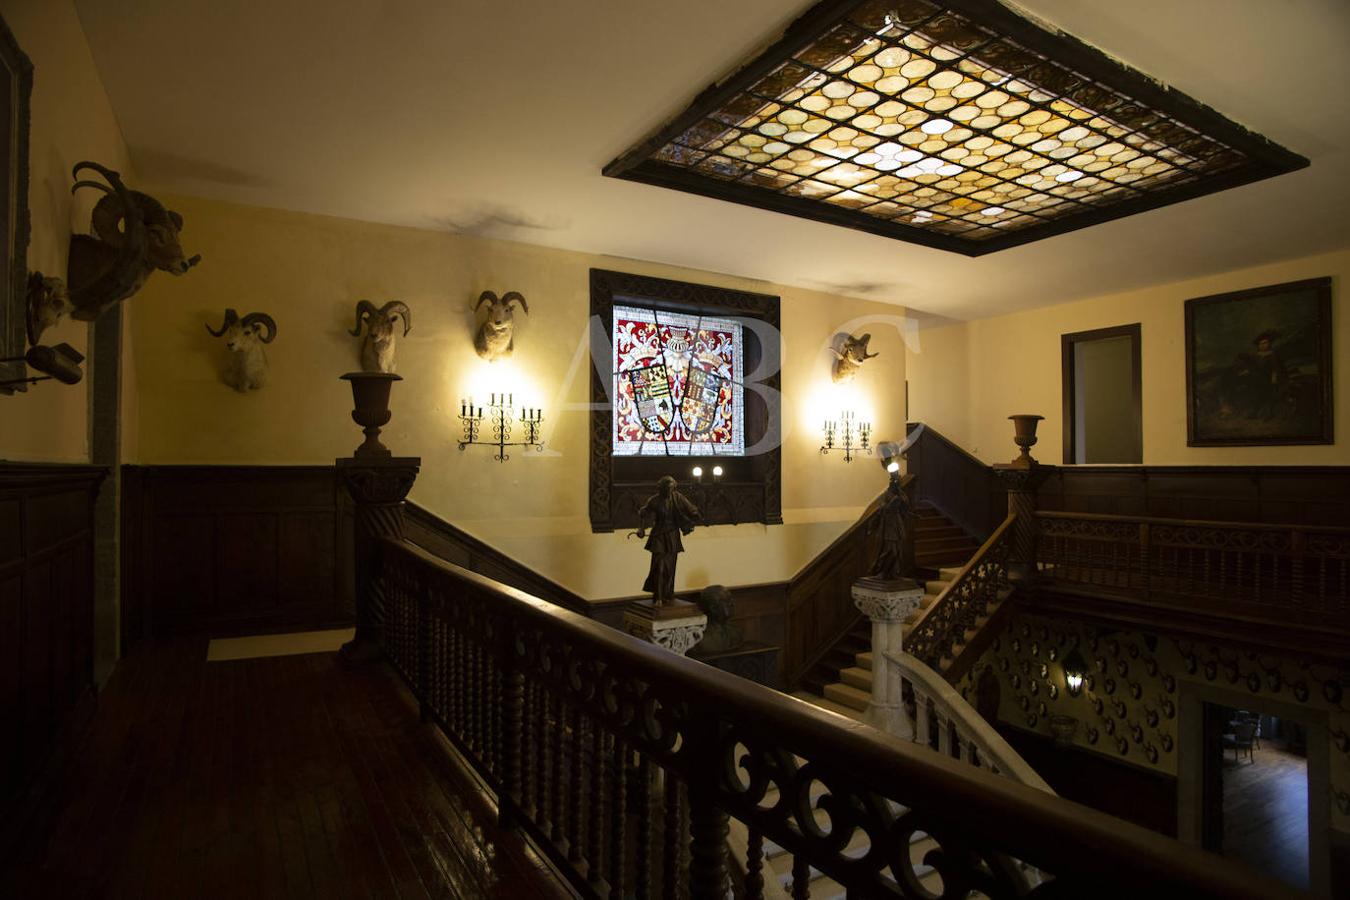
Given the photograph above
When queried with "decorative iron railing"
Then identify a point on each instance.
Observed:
(1297, 571)
(624, 762)
(943, 627)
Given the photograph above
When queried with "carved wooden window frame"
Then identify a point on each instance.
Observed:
(15, 227)
(752, 489)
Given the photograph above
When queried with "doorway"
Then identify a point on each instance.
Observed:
(1254, 783)
(1103, 421)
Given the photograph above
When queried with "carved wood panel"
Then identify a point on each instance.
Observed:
(46, 609)
(234, 549)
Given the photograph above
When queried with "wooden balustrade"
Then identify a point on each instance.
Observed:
(624, 763)
(1299, 573)
(942, 629)
(961, 486)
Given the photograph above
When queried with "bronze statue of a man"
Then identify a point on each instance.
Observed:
(894, 522)
(668, 514)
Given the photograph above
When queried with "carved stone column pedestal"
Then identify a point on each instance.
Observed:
(378, 487)
(887, 603)
(677, 626)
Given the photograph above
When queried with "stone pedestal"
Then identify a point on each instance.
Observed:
(676, 626)
(378, 488)
(887, 603)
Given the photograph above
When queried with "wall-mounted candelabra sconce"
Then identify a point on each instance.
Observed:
(61, 363)
(848, 435)
(500, 415)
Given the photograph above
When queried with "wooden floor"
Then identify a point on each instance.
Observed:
(1265, 812)
(282, 777)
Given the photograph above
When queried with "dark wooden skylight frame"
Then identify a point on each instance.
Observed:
(1263, 158)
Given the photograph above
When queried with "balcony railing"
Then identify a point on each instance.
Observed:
(624, 763)
(1286, 573)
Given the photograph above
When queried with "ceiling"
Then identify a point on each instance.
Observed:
(494, 118)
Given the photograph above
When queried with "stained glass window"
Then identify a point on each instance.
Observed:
(920, 121)
(677, 384)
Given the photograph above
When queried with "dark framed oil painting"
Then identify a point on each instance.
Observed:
(1258, 366)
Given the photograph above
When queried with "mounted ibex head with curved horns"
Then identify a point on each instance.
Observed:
(133, 235)
(496, 336)
(247, 369)
(377, 351)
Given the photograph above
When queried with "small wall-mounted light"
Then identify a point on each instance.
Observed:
(61, 363)
(847, 435)
(500, 413)
(1075, 672)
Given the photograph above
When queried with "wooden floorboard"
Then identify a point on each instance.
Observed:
(283, 777)
(1265, 811)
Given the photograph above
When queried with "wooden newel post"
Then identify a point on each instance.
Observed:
(378, 483)
(1022, 478)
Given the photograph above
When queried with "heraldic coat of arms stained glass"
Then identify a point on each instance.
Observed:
(677, 384)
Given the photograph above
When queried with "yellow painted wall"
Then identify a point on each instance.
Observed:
(71, 121)
(966, 379)
(309, 271)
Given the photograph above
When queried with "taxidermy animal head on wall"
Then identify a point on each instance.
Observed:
(133, 235)
(246, 369)
(496, 336)
(377, 350)
(48, 301)
(849, 357)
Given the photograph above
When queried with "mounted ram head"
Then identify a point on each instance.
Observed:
(244, 338)
(849, 357)
(133, 235)
(377, 351)
(496, 336)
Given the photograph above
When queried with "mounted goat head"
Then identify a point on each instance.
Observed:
(496, 336)
(133, 235)
(850, 357)
(247, 369)
(377, 351)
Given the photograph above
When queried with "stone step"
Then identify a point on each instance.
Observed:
(864, 660)
(949, 574)
(848, 695)
(858, 677)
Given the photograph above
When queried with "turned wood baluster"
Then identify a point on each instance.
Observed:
(708, 826)
(617, 817)
(457, 666)
(754, 864)
(556, 792)
(528, 772)
(595, 844)
(643, 876)
(578, 795)
(801, 878)
(673, 844)
(511, 801)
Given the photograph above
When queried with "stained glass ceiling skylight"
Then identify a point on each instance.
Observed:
(957, 124)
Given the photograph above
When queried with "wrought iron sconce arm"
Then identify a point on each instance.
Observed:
(845, 434)
(500, 414)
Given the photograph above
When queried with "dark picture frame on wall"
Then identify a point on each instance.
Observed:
(16, 89)
(1258, 366)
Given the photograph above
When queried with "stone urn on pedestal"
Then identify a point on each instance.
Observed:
(1024, 436)
(370, 397)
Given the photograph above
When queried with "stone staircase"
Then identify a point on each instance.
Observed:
(941, 548)
(851, 659)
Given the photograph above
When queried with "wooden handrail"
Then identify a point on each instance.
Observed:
(1199, 523)
(994, 752)
(943, 625)
(564, 717)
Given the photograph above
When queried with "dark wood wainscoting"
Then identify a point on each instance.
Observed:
(1275, 495)
(234, 550)
(46, 609)
(1142, 796)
